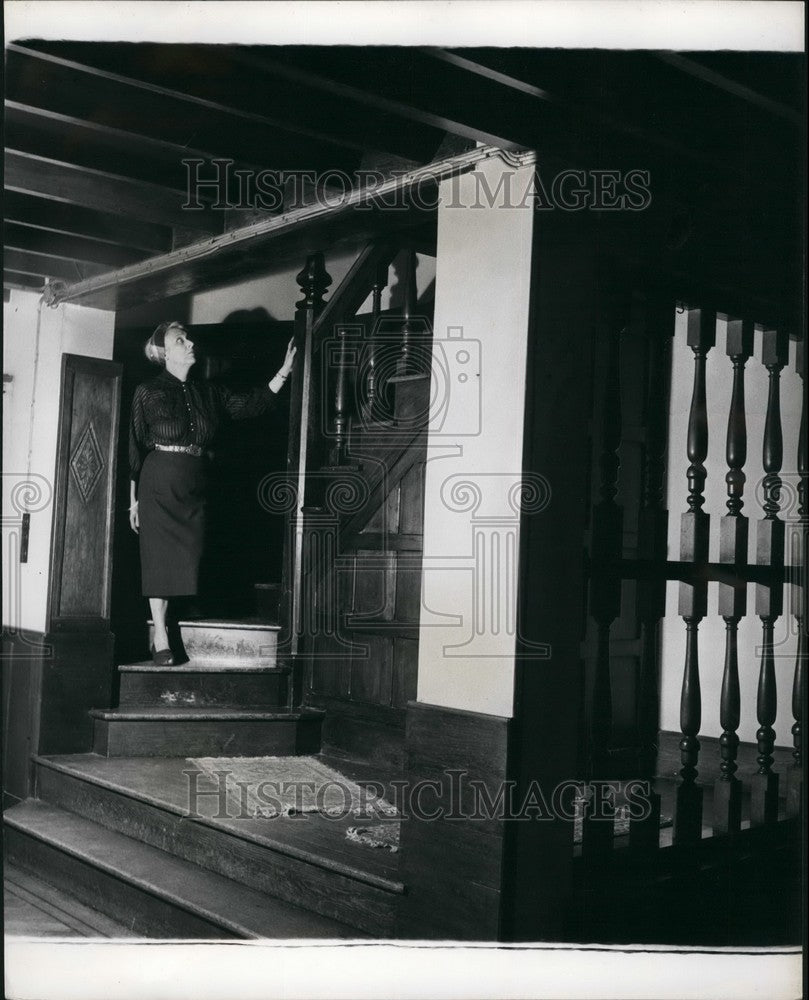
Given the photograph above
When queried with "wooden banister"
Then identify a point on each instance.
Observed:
(693, 601)
(769, 598)
(733, 596)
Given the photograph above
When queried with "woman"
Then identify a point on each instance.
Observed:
(173, 420)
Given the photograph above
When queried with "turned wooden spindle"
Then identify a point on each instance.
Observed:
(341, 415)
(405, 363)
(370, 373)
(733, 532)
(798, 595)
(770, 595)
(693, 599)
(652, 545)
(605, 590)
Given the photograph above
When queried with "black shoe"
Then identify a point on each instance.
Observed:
(162, 657)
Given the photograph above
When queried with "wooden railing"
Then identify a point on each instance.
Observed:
(651, 570)
(342, 385)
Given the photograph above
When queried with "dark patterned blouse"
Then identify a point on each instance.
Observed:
(168, 411)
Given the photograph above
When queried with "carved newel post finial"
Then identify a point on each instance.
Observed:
(313, 280)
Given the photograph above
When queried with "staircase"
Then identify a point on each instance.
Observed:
(113, 828)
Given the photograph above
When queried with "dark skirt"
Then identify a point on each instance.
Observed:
(171, 510)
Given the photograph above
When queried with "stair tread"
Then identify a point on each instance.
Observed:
(161, 782)
(238, 908)
(229, 623)
(165, 713)
(202, 667)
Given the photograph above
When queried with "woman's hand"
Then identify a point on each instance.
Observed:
(134, 520)
(289, 360)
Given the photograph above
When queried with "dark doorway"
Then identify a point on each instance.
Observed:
(244, 541)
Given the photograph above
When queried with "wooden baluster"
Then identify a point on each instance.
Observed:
(693, 601)
(371, 388)
(405, 362)
(341, 416)
(303, 420)
(769, 596)
(605, 593)
(798, 593)
(733, 597)
(652, 545)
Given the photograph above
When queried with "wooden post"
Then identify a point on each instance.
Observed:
(405, 362)
(733, 597)
(370, 387)
(798, 594)
(693, 603)
(769, 596)
(303, 426)
(341, 415)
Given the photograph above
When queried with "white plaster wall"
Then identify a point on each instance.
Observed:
(278, 291)
(35, 338)
(467, 642)
(712, 630)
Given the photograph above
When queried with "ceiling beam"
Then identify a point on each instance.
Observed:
(75, 220)
(169, 102)
(377, 102)
(26, 262)
(19, 237)
(91, 133)
(104, 192)
(694, 68)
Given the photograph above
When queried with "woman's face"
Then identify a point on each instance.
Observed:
(179, 349)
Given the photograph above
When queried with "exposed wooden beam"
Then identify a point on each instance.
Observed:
(81, 131)
(29, 263)
(169, 102)
(694, 68)
(75, 220)
(19, 237)
(371, 99)
(386, 105)
(590, 118)
(102, 191)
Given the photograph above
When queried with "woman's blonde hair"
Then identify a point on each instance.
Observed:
(155, 348)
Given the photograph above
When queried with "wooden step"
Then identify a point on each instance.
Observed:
(304, 860)
(203, 684)
(39, 909)
(154, 893)
(148, 731)
(226, 640)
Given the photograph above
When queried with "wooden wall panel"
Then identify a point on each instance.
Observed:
(405, 671)
(412, 501)
(452, 866)
(372, 677)
(81, 549)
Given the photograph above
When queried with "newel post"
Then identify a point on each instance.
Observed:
(303, 432)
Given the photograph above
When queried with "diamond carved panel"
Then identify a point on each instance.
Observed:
(87, 463)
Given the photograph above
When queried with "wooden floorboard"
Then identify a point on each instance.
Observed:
(160, 781)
